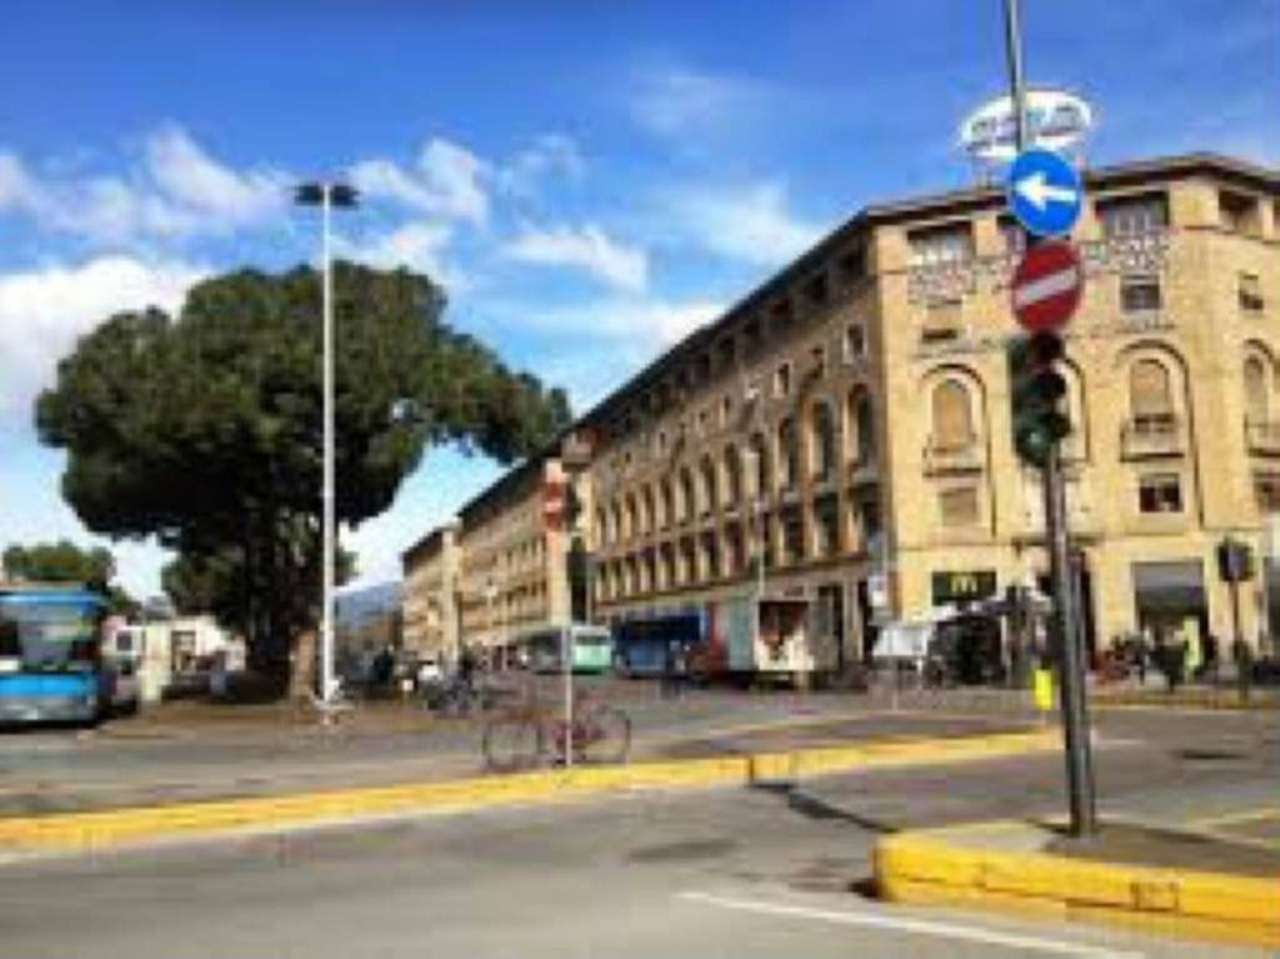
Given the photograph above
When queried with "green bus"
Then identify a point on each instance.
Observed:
(592, 648)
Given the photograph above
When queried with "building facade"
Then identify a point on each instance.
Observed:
(429, 601)
(843, 434)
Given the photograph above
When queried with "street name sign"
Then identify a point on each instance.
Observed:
(1045, 192)
(1046, 286)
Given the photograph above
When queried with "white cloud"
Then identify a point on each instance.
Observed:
(673, 101)
(752, 224)
(418, 245)
(648, 323)
(178, 190)
(588, 248)
(43, 312)
(446, 181)
(193, 180)
(552, 154)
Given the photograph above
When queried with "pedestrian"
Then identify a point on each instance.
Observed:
(1140, 653)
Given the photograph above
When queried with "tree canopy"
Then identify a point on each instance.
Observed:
(204, 429)
(65, 562)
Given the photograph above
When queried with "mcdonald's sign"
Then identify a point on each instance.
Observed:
(963, 586)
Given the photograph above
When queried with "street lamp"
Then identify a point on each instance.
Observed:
(326, 195)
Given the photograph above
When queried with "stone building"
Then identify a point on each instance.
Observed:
(849, 420)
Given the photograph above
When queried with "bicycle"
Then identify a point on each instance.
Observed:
(535, 737)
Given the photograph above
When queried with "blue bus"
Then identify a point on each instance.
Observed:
(51, 654)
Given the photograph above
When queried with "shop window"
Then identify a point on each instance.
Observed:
(959, 506)
(1160, 493)
(1140, 293)
(1250, 293)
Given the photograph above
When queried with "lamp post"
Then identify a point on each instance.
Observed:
(327, 195)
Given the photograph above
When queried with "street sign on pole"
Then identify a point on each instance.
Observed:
(1045, 192)
(1046, 286)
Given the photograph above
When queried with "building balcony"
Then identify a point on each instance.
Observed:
(1262, 437)
(941, 458)
(863, 471)
(1150, 437)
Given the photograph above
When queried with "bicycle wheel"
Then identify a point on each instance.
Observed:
(605, 734)
(512, 744)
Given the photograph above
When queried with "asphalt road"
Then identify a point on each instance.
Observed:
(721, 873)
(768, 871)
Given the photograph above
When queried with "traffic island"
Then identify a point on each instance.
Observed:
(1161, 881)
(88, 832)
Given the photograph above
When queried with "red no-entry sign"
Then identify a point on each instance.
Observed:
(1046, 286)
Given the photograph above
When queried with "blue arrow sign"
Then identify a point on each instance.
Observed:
(1045, 192)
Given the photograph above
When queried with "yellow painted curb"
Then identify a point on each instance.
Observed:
(85, 832)
(929, 867)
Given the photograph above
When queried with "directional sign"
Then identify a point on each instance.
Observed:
(1046, 286)
(1045, 192)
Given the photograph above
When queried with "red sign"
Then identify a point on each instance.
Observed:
(1046, 286)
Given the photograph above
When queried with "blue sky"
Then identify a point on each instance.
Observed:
(590, 180)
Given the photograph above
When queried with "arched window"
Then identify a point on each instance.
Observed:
(710, 488)
(617, 522)
(862, 435)
(633, 527)
(760, 453)
(646, 508)
(1150, 395)
(952, 416)
(600, 527)
(823, 441)
(1256, 394)
(686, 495)
(668, 504)
(788, 453)
(733, 475)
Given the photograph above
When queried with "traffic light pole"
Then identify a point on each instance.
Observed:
(1075, 720)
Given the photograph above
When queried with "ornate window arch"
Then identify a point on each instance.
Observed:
(733, 475)
(1150, 391)
(1257, 389)
(710, 499)
(860, 445)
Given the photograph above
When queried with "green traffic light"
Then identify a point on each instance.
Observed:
(1037, 390)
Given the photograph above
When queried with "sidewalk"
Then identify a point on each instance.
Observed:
(1183, 883)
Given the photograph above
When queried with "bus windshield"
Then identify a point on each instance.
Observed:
(50, 636)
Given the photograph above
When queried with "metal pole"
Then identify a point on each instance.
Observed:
(1080, 784)
(326, 643)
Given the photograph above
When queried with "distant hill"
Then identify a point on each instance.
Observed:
(360, 605)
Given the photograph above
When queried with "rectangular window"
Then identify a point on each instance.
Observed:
(1139, 294)
(816, 291)
(1266, 492)
(728, 353)
(959, 506)
(1238, 213)
(782, 380)
(855, 344)
(818, 362)
(704, 420)
(935, 246)
(853, 265)
(1013, 237)
(726, 410)
(941, 321)
(827, 526)
(1133, 216)
(792, 537)
(1160, 493)
(1250, 293)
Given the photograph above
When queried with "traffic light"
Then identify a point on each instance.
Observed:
(1037, 391)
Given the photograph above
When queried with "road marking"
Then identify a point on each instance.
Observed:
(922, 927)
(1239, 817)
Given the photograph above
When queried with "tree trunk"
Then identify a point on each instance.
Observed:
(302, 677)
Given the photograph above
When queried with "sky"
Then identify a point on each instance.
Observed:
(589, 180)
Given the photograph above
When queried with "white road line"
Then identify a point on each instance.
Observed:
(920, 927)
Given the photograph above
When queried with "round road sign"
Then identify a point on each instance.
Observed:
(1046, 286)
